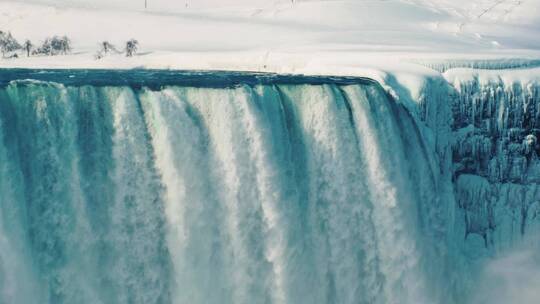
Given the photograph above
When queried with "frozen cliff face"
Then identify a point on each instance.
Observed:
(495, 153)
(483, 127)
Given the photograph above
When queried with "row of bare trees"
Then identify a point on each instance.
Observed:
(107, 48)
(57, 45)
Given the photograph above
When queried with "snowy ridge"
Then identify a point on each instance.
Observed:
(443, 65)
(309, 37)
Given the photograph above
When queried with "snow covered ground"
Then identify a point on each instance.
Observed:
(344, 37)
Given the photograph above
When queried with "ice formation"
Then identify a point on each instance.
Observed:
(496, 158)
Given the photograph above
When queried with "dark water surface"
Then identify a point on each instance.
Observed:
(158, 78)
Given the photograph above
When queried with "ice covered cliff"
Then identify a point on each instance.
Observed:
(495, 153)
(484, 126)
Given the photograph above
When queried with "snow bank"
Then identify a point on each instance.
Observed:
(312, 37)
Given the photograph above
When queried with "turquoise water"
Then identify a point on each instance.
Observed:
(158, 78)
(194, 187)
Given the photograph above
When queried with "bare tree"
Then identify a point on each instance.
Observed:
(105, 48)
(66, 45)
(28, 47)
(8, 43)
(45, 48)
(55, 46)
(131, 47)
(61, 45)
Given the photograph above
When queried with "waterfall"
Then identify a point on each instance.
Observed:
(253, 193)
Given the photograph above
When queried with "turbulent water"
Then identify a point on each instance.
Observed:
(251, 190)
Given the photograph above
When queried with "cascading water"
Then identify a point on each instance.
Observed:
(259, 193)
(186, 187)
